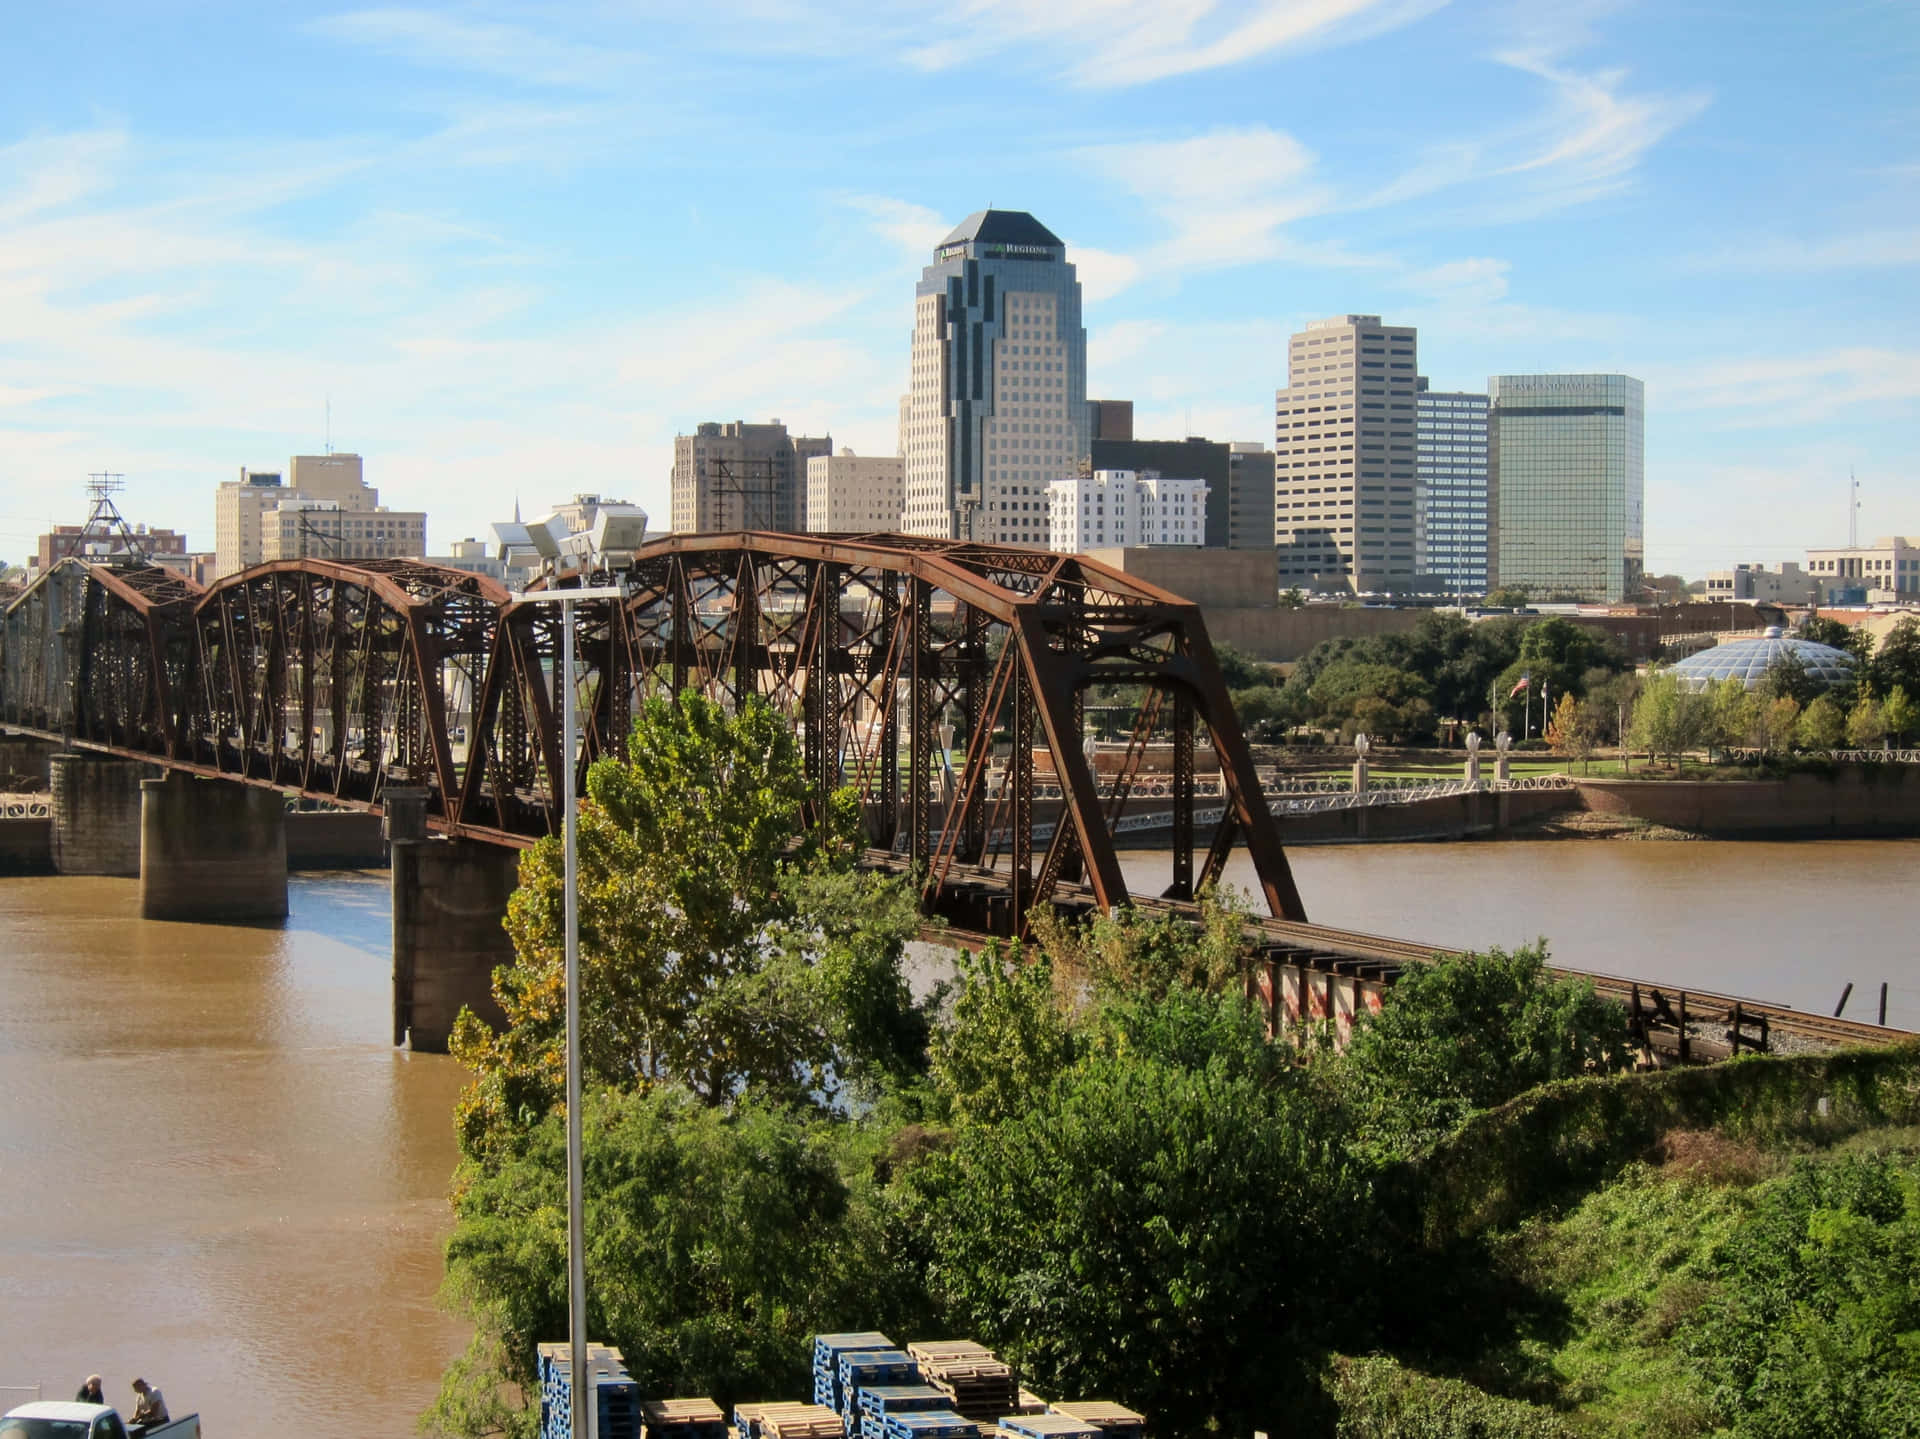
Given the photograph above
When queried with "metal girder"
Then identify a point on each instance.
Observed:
(336, 679)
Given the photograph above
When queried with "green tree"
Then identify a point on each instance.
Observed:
(1788, 678)
(1610, 697)
(1292, 599)
(1823, 631)
(1669, 718)
(1896, 663)
(1822, 724)
(1469, 1032)
(699, 965)
(1867, 724)
(717, 1240)
(1008, 1037)
(1508, 597)
(1780, 723)
(1166, 1224)
(1902, 715)
(1379, 698)
(1734, 714)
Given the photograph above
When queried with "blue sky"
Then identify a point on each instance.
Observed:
(518, 247)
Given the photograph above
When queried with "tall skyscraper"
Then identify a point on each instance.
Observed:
(1344, 462)
(1450, 549)
(737, 476)
(1568, 481)
(997, 407)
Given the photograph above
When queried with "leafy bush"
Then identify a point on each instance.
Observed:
(1470, 1032)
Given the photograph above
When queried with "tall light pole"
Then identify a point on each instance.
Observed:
(585, 1416)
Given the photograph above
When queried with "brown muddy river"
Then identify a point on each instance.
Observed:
(215, 1172)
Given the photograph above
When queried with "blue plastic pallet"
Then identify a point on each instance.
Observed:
(933, 1424)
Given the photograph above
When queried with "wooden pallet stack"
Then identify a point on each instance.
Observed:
(1030, 1403)
(785, 1421)
(1114, 1421)
(981, 1387)
(698, 1418)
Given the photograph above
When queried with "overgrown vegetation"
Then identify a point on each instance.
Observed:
(1088, 1153)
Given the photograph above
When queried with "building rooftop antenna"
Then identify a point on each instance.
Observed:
(105, 522)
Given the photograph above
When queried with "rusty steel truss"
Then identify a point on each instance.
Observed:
(944, 681)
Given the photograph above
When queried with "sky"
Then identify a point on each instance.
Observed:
(506, 252)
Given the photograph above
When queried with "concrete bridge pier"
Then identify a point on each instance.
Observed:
(449, 932)
(95, 802)
(212, 850)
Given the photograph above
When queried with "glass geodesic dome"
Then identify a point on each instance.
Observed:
(1750, 659)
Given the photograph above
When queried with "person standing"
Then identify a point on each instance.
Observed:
(149, 1407)
(91, 1392)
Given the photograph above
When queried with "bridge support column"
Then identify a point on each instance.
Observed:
(212, 850)
(449, 908)
(96, 814)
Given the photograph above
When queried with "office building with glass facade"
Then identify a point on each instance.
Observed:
(997, 406)
(1450, 542)
(1568, 485)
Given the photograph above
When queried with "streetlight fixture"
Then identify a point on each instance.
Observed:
(585, 1416)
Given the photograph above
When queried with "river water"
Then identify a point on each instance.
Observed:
(1787, 922)
(215, 1172)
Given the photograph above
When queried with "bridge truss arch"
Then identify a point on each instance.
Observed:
(945, 681)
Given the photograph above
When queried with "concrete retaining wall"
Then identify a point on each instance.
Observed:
(335, 839)
(1862, 800)
(1452, 816)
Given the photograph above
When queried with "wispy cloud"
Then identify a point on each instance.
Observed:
(1114, 43)
(1595, 132)
(1792, 389)
(1865, 249)
(914, 229)
(509, 52)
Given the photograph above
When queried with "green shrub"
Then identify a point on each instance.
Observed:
(1380, 1399)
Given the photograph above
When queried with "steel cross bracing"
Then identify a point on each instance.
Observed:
(942, 680)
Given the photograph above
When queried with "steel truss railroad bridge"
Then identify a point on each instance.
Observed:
(346, 680)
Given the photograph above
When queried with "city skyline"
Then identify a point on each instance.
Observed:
(510, 276)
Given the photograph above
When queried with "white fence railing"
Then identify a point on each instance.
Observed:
(24, 806)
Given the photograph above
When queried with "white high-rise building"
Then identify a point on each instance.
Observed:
(997, 406)
(1452, 544)
(1125, 508)
(1344, 461)
(853, 494)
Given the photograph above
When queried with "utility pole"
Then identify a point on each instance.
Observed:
(1853, 510)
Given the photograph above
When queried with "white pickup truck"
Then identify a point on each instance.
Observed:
(50, 1419)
